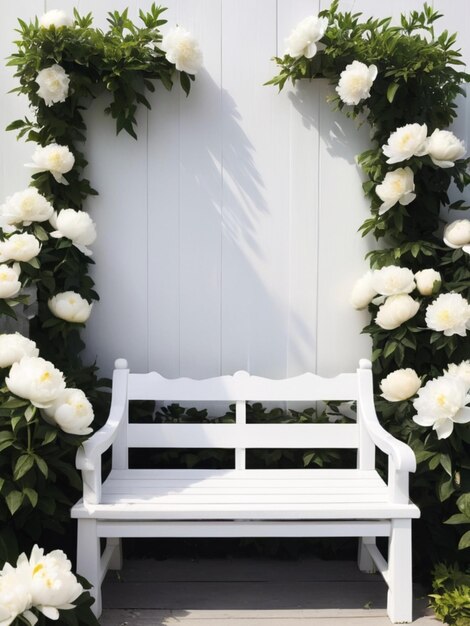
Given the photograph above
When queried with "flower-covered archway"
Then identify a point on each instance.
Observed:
(403, 81)
(49, 397)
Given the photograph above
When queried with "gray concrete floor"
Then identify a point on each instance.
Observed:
(248, 592)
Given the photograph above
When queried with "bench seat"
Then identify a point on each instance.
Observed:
(245, 494)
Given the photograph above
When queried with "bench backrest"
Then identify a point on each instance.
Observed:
(239, 389)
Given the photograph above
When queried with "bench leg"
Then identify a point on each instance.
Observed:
(89, 559)
(364, 560)
(400, 593)
(115, 562)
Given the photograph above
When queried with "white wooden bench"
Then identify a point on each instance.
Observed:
(241, 502)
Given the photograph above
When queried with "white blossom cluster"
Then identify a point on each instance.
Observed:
(27, 207)
(43, 582)
(412, 140)
(355, 81)
(390, 287)
(37, 380)
(442, 401)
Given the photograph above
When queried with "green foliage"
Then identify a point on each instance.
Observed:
(419, 78)
(256, 413)
(451, 595)
(37, 465)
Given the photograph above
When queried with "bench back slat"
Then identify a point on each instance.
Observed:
(241, 386)
(243, 436)
(239, 436)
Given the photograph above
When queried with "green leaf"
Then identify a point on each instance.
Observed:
(308, 458)
(185, 82)
(6, 435)
(32, 495)
(446, 489)
(14, 403)
(463, 504)
(390, 348)
(42, 465)
(464, 541)
(22, 466)
(391, 91)
(14, 500)
(30, 412)
(458, 518)
(40, 233)
(15, 125)
(446, 463)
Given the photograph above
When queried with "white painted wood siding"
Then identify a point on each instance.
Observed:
(227, 233)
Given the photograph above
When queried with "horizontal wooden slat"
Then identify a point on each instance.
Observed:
(273, 500)
(144, 490)
(241, 386)
(366, 511)
(243, 436)
(249, 474)
(244, 528)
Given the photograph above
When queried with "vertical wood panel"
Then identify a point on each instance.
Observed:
(13, 154)
(200, 198)
(457, 20)
(163, 163)
(255, 253)
(118, 325)
(342, 209)
(302, 180)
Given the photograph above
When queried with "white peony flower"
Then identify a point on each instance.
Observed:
(405, 142)
(302, 40)
(56, 159)
(55, 18)
(397, 186)
(182, 49)
(20, 247)
(363, 292)
(25, 207)
(76, 226)
(15, 594)
(53, 587)
(395, 311)
(10, 284)
(392, 280)
(355, 82)
(53, 84)
(36, 380)
(462, 371)
(400, 385)
(13, 347)
(445, 148)
(426, 281)
(441, 404)
(457, 235)
(70, 306)
(72, 412)
(448, 313)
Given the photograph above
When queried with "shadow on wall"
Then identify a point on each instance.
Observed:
(202, 221)
(259, 330)
(338, 138)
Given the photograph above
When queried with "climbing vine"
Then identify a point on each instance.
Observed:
(48, 395)
(404, 81)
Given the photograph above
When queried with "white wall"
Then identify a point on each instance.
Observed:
(227, 233)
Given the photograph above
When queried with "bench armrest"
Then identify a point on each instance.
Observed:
(402, 455)
(88, 458)
(89, 455)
